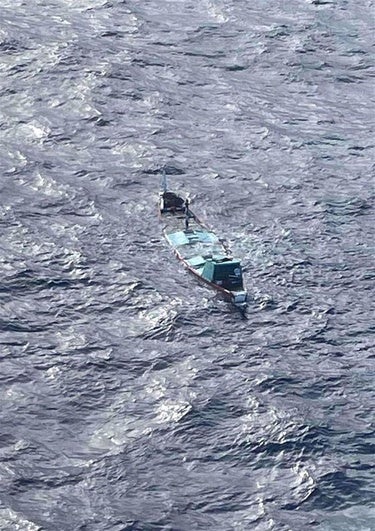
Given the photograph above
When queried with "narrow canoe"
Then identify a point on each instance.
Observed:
(199, 249)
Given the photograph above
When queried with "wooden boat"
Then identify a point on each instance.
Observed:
(199, 249)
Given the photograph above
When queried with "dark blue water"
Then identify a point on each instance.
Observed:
(131, 397)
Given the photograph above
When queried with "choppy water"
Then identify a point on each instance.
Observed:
(131, 397)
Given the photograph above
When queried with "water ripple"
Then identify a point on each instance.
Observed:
(133, 397)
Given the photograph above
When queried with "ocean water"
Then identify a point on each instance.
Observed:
(132, 398)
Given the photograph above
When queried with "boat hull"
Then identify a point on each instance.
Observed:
(202, 253)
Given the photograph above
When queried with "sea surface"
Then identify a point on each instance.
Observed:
(132, 398)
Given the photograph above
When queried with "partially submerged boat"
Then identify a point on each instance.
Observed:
(199, 249)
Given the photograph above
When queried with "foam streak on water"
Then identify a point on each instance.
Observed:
(131, 397)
